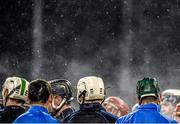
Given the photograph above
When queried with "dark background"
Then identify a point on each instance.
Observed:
(119, 40)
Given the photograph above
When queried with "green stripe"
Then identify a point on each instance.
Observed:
(23, 86)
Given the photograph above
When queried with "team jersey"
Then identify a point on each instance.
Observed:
(36, 114)
(65, 113)
(10, 113)
(91, 113)
(148, 113)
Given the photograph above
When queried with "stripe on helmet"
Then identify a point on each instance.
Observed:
(23, 86)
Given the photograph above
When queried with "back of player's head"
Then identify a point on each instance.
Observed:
(39, 91)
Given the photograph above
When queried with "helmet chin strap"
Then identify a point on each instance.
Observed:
(53, 105)
(62, 103)
(58, 108)
(5, 101)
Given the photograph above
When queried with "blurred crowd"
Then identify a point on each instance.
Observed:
(41, 101)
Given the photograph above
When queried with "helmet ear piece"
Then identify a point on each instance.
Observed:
(4, 96)
(104, 95)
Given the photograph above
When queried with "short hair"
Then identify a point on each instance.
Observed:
(19, 101)
(39, 91)
(149, 98)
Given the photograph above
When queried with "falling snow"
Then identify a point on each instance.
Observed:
(121, 41)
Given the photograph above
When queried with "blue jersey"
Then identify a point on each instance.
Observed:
(148, 113)
(36, 114)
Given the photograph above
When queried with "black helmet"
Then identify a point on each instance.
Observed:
(147, 87)
(63, 88)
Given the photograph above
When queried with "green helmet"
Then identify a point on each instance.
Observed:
(147, 87)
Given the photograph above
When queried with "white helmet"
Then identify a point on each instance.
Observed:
(175, 92)
(16, 87)
(93, 87)
(171, 95)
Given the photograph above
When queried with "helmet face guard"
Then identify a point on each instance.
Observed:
(172, 96)
(171, 99)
